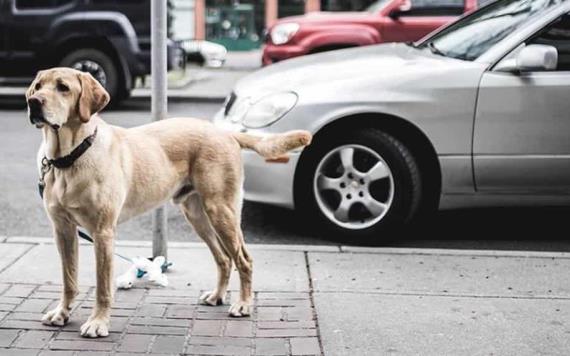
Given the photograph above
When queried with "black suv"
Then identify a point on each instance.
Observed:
(110, 39)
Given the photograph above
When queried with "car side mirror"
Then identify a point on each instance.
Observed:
(404, 7)
(531, 58)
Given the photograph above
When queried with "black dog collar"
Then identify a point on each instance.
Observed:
(64, 162)
(67, 161)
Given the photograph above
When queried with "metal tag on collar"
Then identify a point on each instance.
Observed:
(46, 166)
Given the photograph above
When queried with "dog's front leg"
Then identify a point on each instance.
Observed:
(98, 323)
(66, 240)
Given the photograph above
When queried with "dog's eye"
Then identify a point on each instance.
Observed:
(38, 86)
(62, 87)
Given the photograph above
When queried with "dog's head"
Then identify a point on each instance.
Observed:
(64, 96)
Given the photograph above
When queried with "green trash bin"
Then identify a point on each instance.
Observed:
(232, 27)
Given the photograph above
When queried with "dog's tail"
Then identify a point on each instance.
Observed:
(274, 147)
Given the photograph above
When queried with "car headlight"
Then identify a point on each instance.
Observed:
(236, 108)
(269, 109)
(281, 34)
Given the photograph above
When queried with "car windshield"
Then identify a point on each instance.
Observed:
(377, 5)
(473, 35)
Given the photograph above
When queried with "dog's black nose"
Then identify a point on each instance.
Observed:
(35, 104)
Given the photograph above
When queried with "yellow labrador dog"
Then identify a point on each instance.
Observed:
(97, 175)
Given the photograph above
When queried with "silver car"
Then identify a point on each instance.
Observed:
(476, 114)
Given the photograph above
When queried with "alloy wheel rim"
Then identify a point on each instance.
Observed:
(94, 68)
(353, 186)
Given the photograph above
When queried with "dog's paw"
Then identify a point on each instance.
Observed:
(56, 317)
(240, 308)
(95, 327)
(211, 298)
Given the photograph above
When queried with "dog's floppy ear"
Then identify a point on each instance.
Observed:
(93, 97)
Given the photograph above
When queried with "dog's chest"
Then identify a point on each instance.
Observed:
(61, 195)
(72, 191)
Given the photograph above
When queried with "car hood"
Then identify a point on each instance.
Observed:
(375, 67)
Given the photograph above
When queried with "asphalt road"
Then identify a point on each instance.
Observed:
(21, 212)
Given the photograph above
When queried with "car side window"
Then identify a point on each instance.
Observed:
(40, 4)
(557, 35)
(436, 8)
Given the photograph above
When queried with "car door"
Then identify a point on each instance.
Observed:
(3, 35)
(28, 22)
(522, 124)
(423, 17)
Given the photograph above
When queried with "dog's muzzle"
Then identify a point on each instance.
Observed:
(35, 106)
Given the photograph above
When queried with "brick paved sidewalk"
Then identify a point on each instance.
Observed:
(309, 300)
(158, 322)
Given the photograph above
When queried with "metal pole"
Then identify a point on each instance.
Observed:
(159, 106)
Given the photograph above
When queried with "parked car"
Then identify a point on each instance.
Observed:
(109, 39)
(205, 53)
(383, 21)
(476, 114)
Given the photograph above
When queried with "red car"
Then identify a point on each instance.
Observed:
(383, 21)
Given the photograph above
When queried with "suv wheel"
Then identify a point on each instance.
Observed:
(359, 186)
(99, 64)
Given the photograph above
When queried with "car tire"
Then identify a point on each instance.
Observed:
(100, 65)
(323, 185)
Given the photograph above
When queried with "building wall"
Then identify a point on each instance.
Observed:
(183, 19)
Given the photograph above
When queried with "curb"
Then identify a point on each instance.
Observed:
(176, 244)
(321, 248)
(180, 97)
(172, 97)
(453, 252)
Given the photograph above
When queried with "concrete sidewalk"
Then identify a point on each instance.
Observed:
(309, 300)
(195, 83)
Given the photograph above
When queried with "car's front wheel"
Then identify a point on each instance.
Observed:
(100, 65)
(358, 185)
